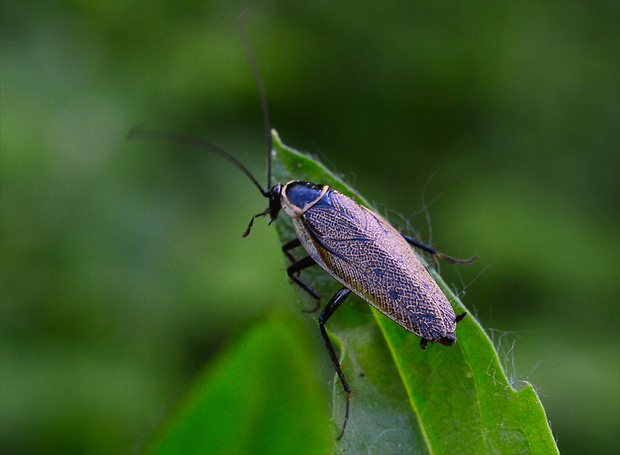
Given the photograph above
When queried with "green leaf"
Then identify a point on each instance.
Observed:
(258, 396)
(406, 400)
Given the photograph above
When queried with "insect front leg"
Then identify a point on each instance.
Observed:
(297, 267)
(289, 246)
(330, 308)
(434, 252)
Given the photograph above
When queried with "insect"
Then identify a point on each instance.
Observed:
(353, 244)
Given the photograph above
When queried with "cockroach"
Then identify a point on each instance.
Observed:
(356, 246)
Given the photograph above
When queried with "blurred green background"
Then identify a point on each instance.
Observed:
(123, 267)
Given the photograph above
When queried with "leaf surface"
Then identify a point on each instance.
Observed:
(258, 396)
(406, 400)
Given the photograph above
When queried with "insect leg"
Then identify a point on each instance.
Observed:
(297, 267)
(289, 246)
(330, 308)
(459, 317)
(434, 252)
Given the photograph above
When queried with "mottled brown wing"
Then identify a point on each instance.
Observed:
(365, 253)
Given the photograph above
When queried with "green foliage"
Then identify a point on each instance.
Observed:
(257, 396)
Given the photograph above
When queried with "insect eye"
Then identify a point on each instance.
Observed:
(275, 190)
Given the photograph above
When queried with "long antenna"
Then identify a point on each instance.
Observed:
(261, 91)
(143, 133)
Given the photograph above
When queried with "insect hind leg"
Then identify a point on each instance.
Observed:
(330, 308)
(434, 252)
